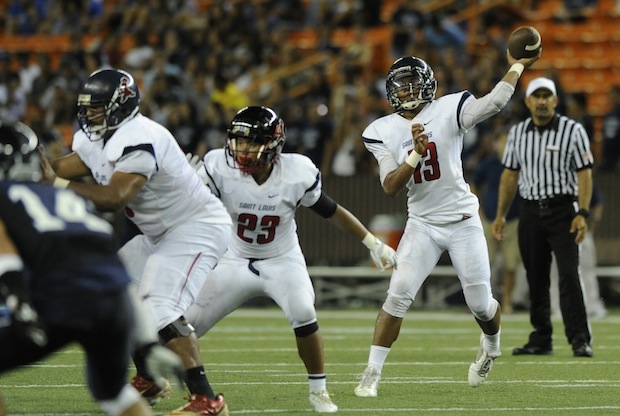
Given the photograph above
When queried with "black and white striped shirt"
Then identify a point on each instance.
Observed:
(548, 157)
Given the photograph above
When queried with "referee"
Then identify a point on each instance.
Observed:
(548, 157)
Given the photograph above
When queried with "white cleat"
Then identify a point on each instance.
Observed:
(369, 383)
(322, 403)
(480, 368)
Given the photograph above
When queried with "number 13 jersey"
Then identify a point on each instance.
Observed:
(437, 191)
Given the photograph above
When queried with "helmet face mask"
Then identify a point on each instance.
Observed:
(410, 82)
(19, 155)
(256, 137)
(108, 100)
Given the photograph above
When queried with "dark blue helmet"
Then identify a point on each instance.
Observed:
(116, 93)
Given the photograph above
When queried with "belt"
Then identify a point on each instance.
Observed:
(547, 203)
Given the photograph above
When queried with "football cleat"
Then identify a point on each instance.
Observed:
(322, 403)
(202, 405)
(151, 392)
(482, 365)
(368, 383)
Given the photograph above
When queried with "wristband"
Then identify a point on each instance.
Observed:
(61, 183)
(413, 159)
(370, 241)
(584, 213)
(518, 68)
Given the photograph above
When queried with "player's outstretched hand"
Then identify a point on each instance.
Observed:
(194, 161)
(162, 364)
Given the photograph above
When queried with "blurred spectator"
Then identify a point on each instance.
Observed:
(407, 26)
(25, 16)
(441, 32)
(228, 95)
(575, 11)
(316, 132)
(12, 98)
(611, 132)
(577, 109)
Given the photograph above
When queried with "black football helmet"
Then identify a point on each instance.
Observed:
(258, 125)
(113, 90)
(19, 154)
(413, 76)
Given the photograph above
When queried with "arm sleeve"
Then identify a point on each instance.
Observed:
(325, 206)
(487, 106)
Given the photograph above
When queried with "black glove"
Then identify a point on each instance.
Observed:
(24, 318)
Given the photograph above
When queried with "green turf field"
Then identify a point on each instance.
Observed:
(251, 357)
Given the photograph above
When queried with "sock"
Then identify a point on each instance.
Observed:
(197, 383)
(377, 357)
(317, 382)
(491, 343)
(138, 360)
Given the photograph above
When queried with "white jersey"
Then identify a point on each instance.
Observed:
(173, 193)
(263, 215)
(437, 192)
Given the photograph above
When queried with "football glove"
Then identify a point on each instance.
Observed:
(14, 293)
(382, 255)
(162, 364)
(26, 321)
(194, 161)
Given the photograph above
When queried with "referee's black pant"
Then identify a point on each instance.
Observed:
(544, 227)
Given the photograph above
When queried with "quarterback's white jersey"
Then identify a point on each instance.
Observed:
(437, 191)
(173, 193)
(263, 215)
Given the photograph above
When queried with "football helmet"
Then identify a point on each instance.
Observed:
(115, 94)
(19, 155)
(259, 126)
(412, 76)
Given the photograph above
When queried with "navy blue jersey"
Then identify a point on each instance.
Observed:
(67, 250)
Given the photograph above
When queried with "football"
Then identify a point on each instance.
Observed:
(524, 42)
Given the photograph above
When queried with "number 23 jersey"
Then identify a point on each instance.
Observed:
(263, 215)
(437, 191)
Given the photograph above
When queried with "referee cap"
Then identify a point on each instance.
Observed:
(540, 82)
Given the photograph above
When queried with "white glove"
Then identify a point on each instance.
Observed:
(381, 254)
(194, 161)
(162, 364)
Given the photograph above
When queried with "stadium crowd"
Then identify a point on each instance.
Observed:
(198, 65)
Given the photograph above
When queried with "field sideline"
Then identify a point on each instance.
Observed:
(251, 358)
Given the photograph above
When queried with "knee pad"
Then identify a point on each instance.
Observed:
(306, 330)
(127, 397)
(396, 306)
(480, 302)
(179, 328)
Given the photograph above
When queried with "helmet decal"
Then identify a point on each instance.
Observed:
(125, 92)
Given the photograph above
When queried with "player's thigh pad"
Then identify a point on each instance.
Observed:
(418, 253)
(227, 287)
(469, 255)
(174, 274)
(287, 282)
